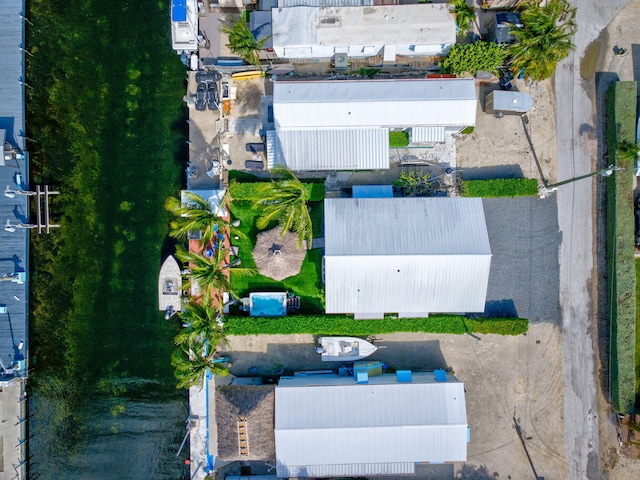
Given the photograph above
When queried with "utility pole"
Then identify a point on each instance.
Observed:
(544, 191)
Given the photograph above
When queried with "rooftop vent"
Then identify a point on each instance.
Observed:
(341, 61)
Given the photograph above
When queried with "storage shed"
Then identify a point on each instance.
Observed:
(509, 102)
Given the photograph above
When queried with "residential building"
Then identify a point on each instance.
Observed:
(332, 426)
(405, 256)
(321, 32)
(345, 124)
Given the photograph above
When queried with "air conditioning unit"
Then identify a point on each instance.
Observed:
(341, 61)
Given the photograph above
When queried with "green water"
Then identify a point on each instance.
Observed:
(106, 115)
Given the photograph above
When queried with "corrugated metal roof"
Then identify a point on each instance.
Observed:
(374, 103)
(427, 135)
(331, 149)
(13, 245)
(362, 31)
(367, 428)
(405, 255)
(324, 3)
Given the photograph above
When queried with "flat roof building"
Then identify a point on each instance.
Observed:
(363, 31)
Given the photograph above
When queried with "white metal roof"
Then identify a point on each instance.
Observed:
(330, 149)
(362, 31)
(342, 428)
(374, 103)
(389, 255)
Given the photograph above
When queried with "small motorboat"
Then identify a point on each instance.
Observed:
(344, 349)
(170, 287)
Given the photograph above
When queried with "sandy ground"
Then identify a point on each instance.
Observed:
(499, 147)
(504, 377)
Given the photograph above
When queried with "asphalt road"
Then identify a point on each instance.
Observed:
(577, 155)
(524, 278)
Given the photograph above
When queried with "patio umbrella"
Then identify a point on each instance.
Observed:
(276, 256)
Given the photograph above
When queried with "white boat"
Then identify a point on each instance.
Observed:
(344, 349)
(170, 287)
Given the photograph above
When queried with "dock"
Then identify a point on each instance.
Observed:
(14, 243)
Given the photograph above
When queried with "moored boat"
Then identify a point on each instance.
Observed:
(170, 287)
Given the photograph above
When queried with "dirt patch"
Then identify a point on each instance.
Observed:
(500, 147)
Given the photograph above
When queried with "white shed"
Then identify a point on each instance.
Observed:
(330, 426)
(410, 256)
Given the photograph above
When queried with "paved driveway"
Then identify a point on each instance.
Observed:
(524, 238)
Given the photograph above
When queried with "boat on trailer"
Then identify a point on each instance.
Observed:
(170, 287)
(344, 349)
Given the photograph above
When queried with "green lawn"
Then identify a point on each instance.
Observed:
(307, 284)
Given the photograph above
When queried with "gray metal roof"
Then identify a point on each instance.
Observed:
(13, 245)
(374, 103)
(405, 255)
(331, 426)
(330, 149)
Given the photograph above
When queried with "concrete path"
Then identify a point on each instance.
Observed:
(576, 156)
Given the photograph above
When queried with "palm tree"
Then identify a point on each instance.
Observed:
(202, 326)
(242, 41)
(284, 200)
(210, 272)
(465, 15)
(197, 214)
(544, 39)
(191, 366)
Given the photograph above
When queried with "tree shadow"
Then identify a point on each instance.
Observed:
(471, 472)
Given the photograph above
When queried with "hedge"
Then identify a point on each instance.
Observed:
(621, 127)
(345, 325)
(473, 57)
(500, 187)
(242, 191)
(398, 139)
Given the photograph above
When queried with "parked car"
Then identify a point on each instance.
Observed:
(225, 90)
(208, 77)
(255, 147)
(254, 165)
(201, 97)
(212, 98)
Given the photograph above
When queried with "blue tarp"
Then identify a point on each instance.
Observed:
(372, 191)
(441, 375)
(179, 11)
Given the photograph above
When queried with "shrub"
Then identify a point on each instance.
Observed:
(467, 131)
(621, 122)
(413, 183)
(345, 325)
(242, 191)
(500, 187)
(473, 57)
(398, 139)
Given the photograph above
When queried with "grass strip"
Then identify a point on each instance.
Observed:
(500, 187)
(345, 325)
